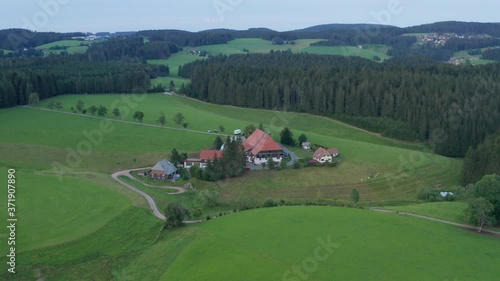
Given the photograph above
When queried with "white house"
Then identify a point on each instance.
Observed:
(322, 155)
(260, 147)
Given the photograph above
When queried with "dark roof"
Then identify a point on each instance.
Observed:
(165, 166)
(260, 142)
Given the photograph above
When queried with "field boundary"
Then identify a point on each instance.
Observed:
(495, 233)
(123, 121)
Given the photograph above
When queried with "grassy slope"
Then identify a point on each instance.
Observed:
(52, 212)
(273, 240)
(401, 167)
(450, 211)
(94, 257)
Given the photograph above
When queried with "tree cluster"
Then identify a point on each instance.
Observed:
(129, 48)
(492, 54)
(482, 160)
(53, 76)
(484, 203)
(232, 163)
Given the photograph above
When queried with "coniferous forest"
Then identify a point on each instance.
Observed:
(453, 108)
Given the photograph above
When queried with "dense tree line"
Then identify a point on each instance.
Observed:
(130, 49)
(185, 38)
(482, 160)
(492, 54)
(18, 39)
(459, 102)
(460, 44)
(492, 29)
(58, 75)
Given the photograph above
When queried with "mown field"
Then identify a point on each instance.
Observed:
(364, 245)
(52, 212)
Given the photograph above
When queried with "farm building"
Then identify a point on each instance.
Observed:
(164, 170)
(322, 155)
(306, 145)
(205, 156)
(325, 155)
(334, 152)
(260, 147)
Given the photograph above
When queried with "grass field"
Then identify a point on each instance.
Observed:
(473, 59)
(175, 61)
(53, 212)
(367, 53)
(5, 52)
(382, 169)
(104, 238)
(71, 46)
(93, 257)
(450, 211)
(257, 45)
(263, 239)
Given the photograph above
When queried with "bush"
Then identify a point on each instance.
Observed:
(296, 165)
(176, 213)
(269, 203)
(197, 213)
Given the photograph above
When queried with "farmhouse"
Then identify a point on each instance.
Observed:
(322, 155)
(334, 152)
(205, 156)
(260, 147)
(164, 170)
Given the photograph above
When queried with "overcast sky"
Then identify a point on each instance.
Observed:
(195, 15)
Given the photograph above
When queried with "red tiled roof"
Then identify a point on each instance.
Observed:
(333, 151)
(321, 152)
(210, 154)
(259, 142)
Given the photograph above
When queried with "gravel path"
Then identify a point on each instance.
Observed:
(149, 199)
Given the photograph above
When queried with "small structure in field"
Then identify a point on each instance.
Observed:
(164, 170)
(306, 145)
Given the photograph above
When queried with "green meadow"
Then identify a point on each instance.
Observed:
(91, 228)
(450, 211)
(362, 245)
(52, 212)
(382, 169)
(71, 46)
